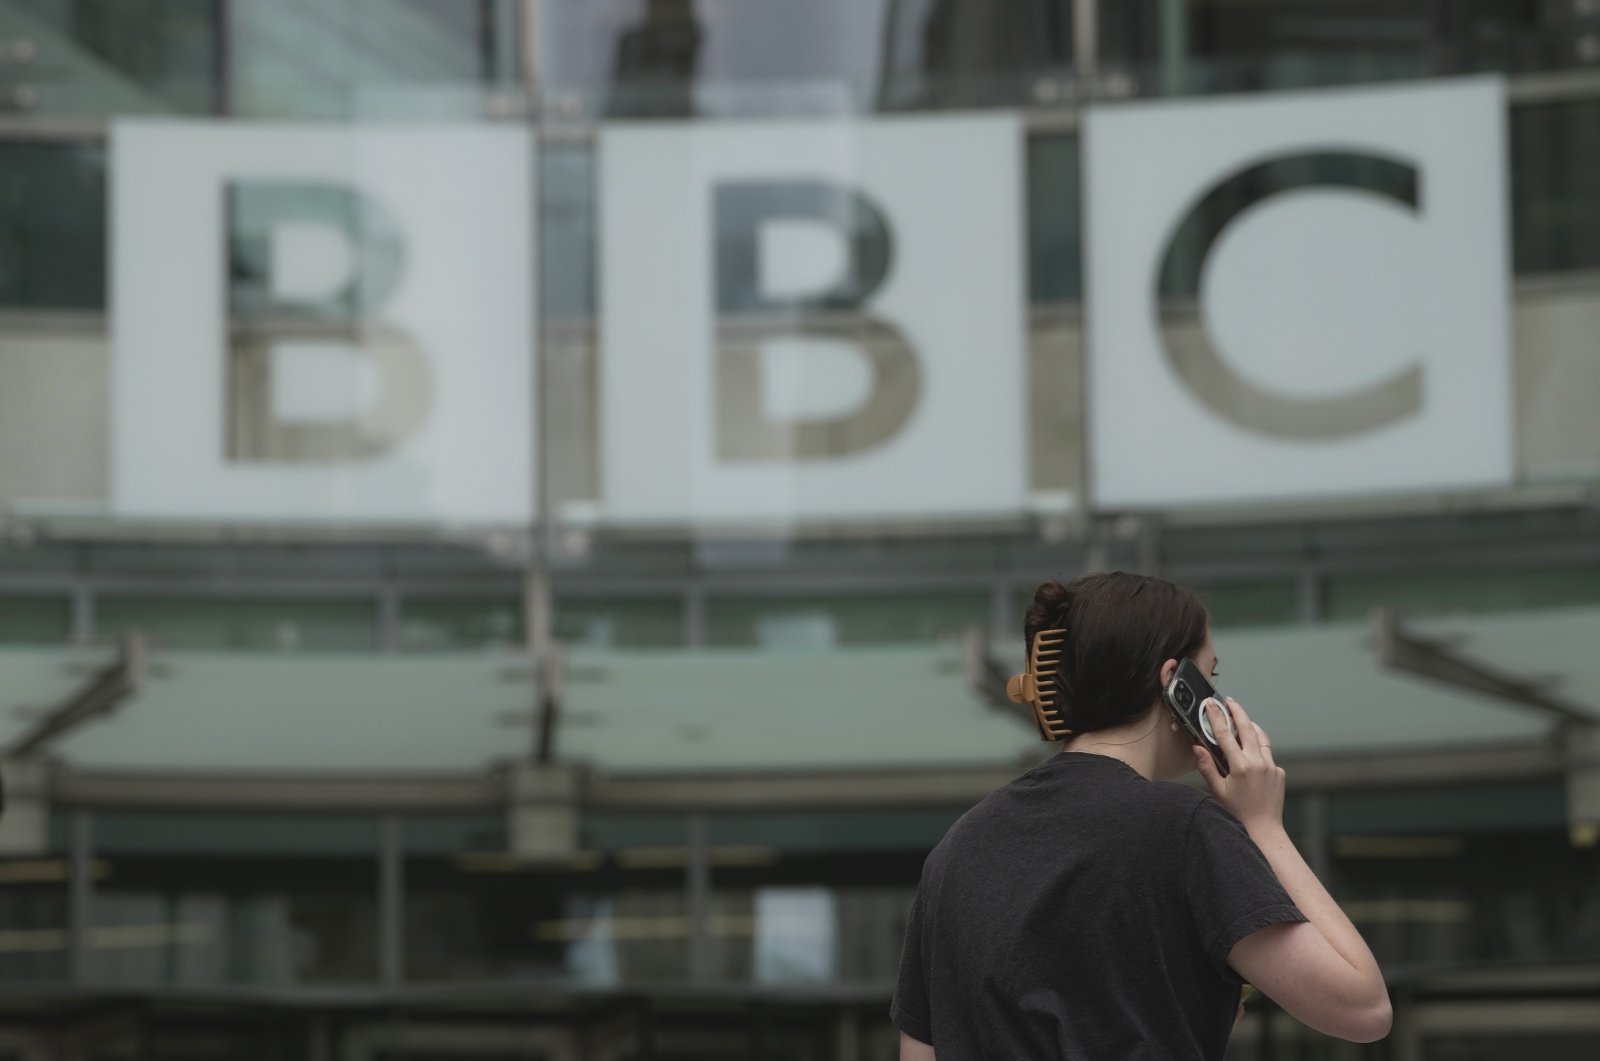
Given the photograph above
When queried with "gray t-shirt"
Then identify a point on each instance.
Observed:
(1082, 911)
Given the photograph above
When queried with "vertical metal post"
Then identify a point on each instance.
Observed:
(389, 619)
(1174, 46)
(81, 620)
(391, 902)
(694, 616)
(537, 603)
(698, 880)
(1086, 43)
(80, 896)
(847, 1035)
(224, 36)
(1311, 596)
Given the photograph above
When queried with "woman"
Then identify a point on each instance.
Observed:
(1090, 909)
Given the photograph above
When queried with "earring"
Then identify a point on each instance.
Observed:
(1174, 725)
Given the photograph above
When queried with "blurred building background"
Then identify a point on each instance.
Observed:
(414, 643)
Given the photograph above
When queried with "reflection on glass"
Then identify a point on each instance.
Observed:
(972, 53)
(215, 920)
(1555, 185)
(656, 56)
(1164, 48)
(102, 58)
(420, 59)
(33, 920)
(52, 225)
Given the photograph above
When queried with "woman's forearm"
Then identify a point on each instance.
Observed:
(1314, 901)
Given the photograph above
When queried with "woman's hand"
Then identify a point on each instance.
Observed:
(1253, 789)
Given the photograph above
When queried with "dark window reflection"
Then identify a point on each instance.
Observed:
(52, 225)
(656, 58)
(966, 53)
(119, 55)
(1249, 45)
(1555, 186)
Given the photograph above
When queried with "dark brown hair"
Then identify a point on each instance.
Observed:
(1120, 629)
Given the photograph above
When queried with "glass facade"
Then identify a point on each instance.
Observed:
(440, 470)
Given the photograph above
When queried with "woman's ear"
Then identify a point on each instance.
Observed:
(1168, 669)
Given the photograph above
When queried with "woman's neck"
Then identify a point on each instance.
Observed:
(1137, 744)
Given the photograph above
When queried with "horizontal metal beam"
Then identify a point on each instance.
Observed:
(76, 789)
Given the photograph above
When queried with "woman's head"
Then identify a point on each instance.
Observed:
(1121, 630)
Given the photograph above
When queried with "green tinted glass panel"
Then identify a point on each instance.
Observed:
(268, 625)
(1555, 186)
(825, 622)
(1354, 596)
(620, 622)
(52, 225)
(612, 832)
(1250, 603)
(460, 623)
(235, 834)
(867, 831)
(1457, 809)
(127, 57)
(34, 620)
(1055, 238)
(440, 834)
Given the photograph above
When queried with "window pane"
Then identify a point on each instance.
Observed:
(827, 622)
(1250, 603)
(460, 623)
(245, 899)
(133, 56)
(271, 625)
(52, 225)
(1555, 186)
(33, 920)
(217, 919)
(615, 913)
(620, 622)
(434, 59)
(973, 53)
(34, 620)
(715, 58)
(1055, 247)
(1354, 596)
(819, 897)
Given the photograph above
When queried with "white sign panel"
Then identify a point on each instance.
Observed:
(322, 324)
(1335, 277)
(812, 320)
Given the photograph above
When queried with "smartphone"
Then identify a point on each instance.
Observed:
(1184, 694)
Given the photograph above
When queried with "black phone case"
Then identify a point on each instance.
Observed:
(1190, 675)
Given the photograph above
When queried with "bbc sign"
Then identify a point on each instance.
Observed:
(322, 324)
(1290, 296)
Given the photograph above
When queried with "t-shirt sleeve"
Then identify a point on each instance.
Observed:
(1231, 888)
(909, 1010)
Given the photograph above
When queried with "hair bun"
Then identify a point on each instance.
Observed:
(1049, 602)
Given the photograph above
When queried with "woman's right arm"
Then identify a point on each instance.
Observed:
(1321, 972)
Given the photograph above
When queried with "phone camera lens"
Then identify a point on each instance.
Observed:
(1183, 695)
